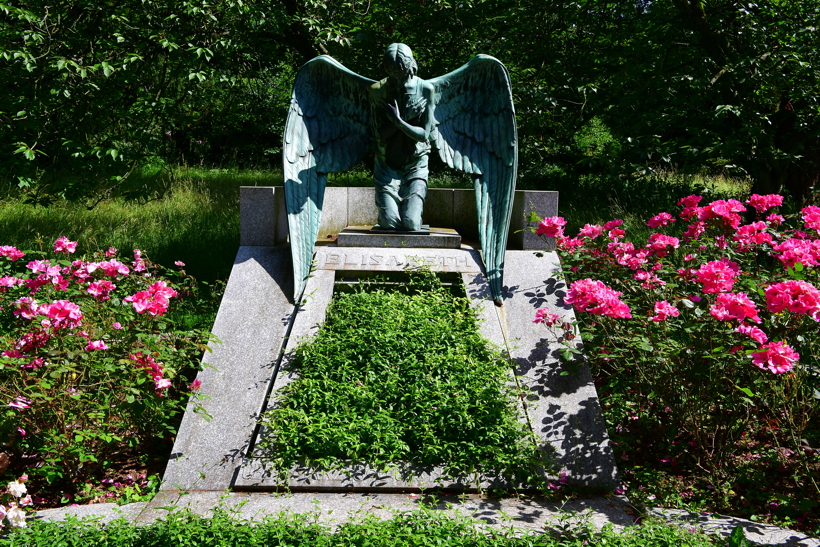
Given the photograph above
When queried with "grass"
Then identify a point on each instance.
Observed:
(181, 213)
(419, 528)
(400, 373)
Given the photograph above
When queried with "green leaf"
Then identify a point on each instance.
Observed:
(737, 538)
(746, 390)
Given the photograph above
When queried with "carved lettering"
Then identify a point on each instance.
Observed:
(376, 260)
(333, 259)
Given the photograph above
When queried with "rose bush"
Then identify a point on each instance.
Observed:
(91, 362)
(712, 326)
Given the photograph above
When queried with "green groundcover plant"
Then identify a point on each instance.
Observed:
(401, 376)
(416, 528)
(90, 360)
(706, 339)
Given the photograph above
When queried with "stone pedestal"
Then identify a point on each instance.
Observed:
(366, 236)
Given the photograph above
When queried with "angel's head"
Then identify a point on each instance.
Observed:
(399, 62)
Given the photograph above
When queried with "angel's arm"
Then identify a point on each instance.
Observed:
(418, 134)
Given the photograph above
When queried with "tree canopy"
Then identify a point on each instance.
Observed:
(619, 88)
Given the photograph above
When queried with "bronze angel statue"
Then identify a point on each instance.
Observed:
(337, 116)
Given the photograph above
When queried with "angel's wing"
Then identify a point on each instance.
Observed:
(476, 133)
(327, 130)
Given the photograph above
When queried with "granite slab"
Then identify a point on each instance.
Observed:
(251, 326)
(365, 236)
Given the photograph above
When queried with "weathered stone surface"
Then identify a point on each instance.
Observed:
(438, 207)
(263, 217)
(251, 324)
(101, 513)
(544, 204)
(363, 236)
(361, 206)
(331, 510)
(465, 213)
(257, 215)
(523, 513)
(281, 211)
(395, 260)
(334, 212)
(563, 408)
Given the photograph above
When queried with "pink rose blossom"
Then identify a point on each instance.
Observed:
(734, 306)
(39, 266)
(811, 217)
(568, 243)
(596, 298)
(775, 220)
(723, 211)
(591, 231)
(543, 315)
(551, 227)
(26, 307)
(661, 219)
(63, 245)
(154, 300)
(163, 383)
(30, 341)
(649, 280)
(627, 255)
(179, 263)
(100, 289)
(778, 357)
(752, 234)
(63, 314)
(116, 325)
(795, 250)
(113, 267)
(794, 295)
(195, 385)
(612, 224)
(11, 252)
(111, 252)
(33, 365)
(761, 204)
(147, 363)
(690, 201)
(663, 310)
(8, 281)
(717, 276)
(96, 345)
(694, 231)
(752, 332)
(659, 243)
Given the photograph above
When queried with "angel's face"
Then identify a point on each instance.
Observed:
(398, 74)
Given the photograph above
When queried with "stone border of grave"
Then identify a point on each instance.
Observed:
(256, 318)
(330, 262)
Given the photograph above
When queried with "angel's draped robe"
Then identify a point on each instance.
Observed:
(400, 169)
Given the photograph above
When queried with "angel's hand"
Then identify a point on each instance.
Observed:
(393, 111)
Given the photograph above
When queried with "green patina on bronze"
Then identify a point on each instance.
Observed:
(337, 116)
